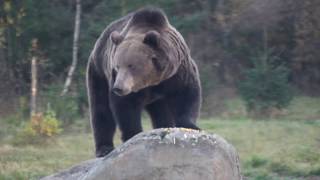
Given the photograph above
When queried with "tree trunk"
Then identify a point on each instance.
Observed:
(75, 48)
(33, 102)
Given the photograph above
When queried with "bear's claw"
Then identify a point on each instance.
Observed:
(103, 151)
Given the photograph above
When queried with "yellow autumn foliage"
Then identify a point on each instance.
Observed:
(42, 126)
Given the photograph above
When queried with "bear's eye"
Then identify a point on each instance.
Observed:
(130, 66)
(157, 64)
(114, 75)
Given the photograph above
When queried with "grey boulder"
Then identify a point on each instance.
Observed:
(163, 154)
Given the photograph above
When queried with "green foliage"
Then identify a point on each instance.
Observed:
(13, 176)
(315, 171)
(66, 107)
(208, 83)
(265, 86)
(39, 129)
(44, 21)
(221, 35)
(257, 161)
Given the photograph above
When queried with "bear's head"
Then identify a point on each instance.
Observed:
(140, 60)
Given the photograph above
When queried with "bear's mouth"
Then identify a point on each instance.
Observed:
(120, 92)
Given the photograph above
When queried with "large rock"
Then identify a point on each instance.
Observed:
(161, 154)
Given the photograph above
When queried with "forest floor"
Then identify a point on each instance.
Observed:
(278, 149)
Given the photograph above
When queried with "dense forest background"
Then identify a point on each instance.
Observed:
(226, 38)
(259, 63)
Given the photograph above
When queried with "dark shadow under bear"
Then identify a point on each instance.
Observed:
(141, 62)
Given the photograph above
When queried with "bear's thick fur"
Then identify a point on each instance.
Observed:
(141, 62)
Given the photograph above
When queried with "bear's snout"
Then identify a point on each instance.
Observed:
(123, 83)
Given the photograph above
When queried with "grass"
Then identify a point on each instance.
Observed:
(301, 108)
(304, 108)
(32, 162)
(282, 148)
(279, 149)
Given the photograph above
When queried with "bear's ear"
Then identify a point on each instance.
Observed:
(152, 38)
(116, 37)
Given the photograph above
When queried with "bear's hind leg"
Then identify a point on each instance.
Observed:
(160, 114)
(102, 121)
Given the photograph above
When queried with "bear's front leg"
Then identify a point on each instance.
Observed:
(102, 121)
(160, 114)
(185, 107)
(127, 112)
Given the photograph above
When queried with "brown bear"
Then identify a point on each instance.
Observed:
(141, 62)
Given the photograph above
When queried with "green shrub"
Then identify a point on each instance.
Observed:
(265, 86)
(285, 169)
(315, 171)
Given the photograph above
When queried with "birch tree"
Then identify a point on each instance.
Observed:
(34, 78)
(75, 49)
